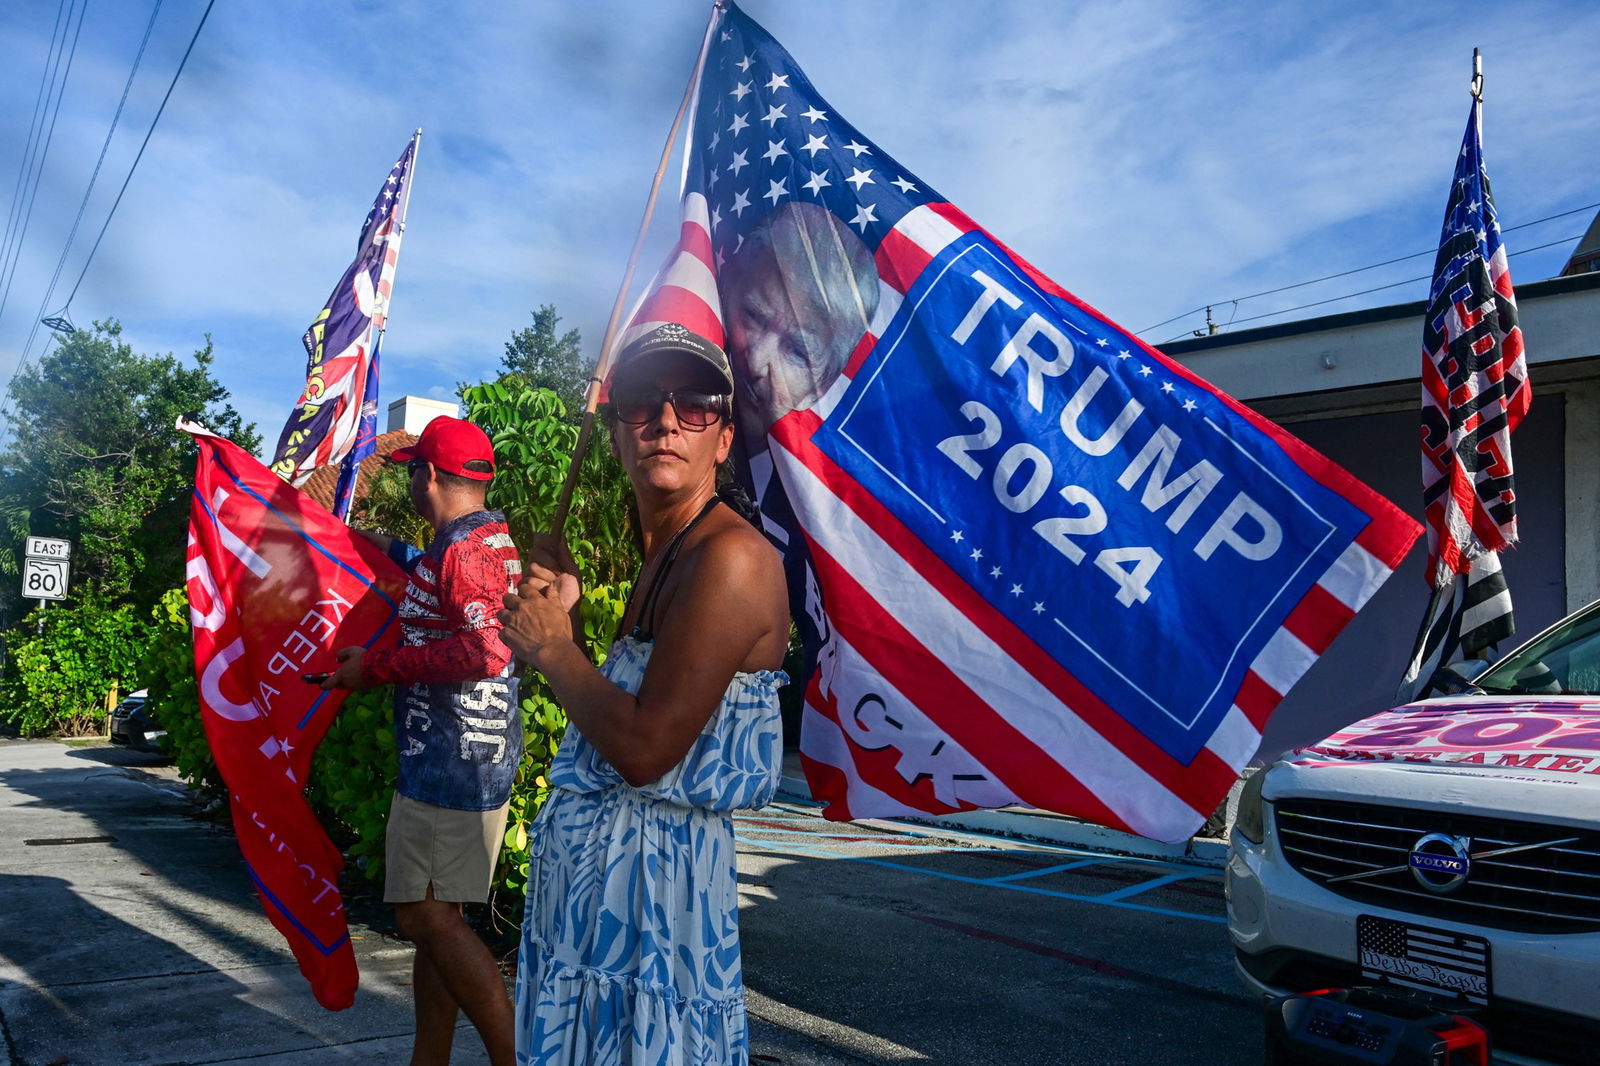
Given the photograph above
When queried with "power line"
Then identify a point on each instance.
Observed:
(181, 64)
(1378, 288)
(47, 88)
(94, 177)
(59, 91)
(1357, 270)
(24, 162)
(131, 169)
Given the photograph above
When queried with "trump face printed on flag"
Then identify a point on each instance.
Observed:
(799, 294)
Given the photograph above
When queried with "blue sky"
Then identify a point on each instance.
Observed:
(1151, 157)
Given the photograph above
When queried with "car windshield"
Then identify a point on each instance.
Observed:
(1564, 660)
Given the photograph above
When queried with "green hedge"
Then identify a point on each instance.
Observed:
(65, 664)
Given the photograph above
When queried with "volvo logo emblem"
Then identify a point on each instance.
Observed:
(1440, 862)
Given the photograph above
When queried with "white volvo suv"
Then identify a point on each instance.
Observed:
(1450, 847)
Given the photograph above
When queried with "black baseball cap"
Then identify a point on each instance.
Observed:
(671, 337)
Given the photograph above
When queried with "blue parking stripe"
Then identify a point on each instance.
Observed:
(1042, 871)
(1145, 886)
(885, 841)
(1108, 900)
(796, 810)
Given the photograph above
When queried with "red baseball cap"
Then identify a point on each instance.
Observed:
(450, 444)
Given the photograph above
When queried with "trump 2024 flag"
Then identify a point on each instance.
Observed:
(276, 586)
(1035, 561)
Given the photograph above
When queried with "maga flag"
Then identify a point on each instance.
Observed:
(1475, 391)
(276, 585)
(337, 412)
(1035, 561)
(1475, 387)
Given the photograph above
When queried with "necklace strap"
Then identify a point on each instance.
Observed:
(644, 626)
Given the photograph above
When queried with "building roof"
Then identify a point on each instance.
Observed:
(1346, 319)
(1586, 257)
(1382, 347)
(324, 480)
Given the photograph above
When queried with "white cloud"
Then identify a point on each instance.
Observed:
(1151, 157)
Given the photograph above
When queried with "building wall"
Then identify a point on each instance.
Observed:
(1358, 675)
(412, 414)
(1347, 384)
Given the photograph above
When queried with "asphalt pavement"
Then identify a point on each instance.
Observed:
(129, 935)
(899, 943)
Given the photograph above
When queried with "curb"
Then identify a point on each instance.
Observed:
(1030, 824)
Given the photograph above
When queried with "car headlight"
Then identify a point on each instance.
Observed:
(1250, 818)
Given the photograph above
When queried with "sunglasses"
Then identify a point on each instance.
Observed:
(413, 465)
(694, 408)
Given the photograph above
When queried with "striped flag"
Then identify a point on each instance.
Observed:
(1468, 616)
(685, 288)
(1430, 960)
(1475, 391)
(1475, 387)
(1034, 561)
(335, 418)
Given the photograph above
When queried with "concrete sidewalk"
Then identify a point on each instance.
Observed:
(130, 936)
(129, 933)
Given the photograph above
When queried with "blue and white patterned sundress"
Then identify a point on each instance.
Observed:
(630, 945)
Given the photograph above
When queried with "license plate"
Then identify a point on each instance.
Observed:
(1417, 956)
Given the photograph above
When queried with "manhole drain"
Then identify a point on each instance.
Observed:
(40, 841)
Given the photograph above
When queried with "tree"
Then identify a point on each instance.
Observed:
(387, 507)
(542, 359)
(93, 457)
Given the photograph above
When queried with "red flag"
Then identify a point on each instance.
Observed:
(276, 585)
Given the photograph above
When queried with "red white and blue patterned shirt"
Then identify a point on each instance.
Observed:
(457, 724)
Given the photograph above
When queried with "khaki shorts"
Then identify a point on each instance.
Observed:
(454, 851)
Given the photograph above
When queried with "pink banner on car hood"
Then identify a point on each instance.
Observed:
(1549, 734)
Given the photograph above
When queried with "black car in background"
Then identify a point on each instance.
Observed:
(131, 723)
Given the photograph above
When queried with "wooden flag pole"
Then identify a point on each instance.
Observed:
(603, 363)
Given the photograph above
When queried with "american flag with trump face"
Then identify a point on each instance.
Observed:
(1034, 561)
(335, 418)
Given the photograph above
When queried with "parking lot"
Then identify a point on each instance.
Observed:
(906, 944)
(130, 937)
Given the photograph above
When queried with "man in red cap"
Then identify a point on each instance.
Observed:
(458, 731)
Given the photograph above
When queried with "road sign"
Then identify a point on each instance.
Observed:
(44, 579)
(47, 548)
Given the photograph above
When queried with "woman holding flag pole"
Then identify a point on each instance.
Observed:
(630, 946)
(630, 949)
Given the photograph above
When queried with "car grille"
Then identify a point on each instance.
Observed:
(1550, 888)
